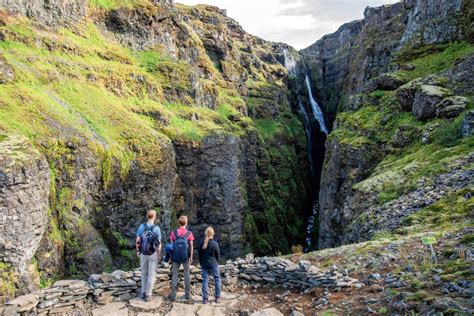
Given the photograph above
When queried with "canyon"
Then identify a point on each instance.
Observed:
(110, 108)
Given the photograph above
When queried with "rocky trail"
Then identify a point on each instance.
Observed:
(383, 276)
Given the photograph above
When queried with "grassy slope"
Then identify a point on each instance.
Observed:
(81, 86)
(401, 168)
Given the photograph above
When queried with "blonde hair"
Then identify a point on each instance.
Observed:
(183, 220)
(151, 214)
(209, 234)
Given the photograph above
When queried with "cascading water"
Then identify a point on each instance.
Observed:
(314, 161)
(317, 112)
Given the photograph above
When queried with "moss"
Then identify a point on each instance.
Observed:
(7, 282)
(116, 4)
(433, 59)
(445, 214)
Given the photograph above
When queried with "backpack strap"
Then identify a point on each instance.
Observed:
(188, 232)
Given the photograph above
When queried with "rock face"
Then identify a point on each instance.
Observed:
(51, 12)
(210, 178)
(24, 196)
(343, 62)
(171, 108)
(359, 70)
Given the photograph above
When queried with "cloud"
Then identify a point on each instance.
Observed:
(296, 22)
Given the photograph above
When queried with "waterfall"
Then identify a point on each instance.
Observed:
(290, 62)
(317, 112)
(314, 145)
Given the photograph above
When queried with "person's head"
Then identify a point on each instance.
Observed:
(151, 215)
(183, 221)
(208, 234)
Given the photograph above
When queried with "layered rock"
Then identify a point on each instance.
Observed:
(24, 196)
(55, 12)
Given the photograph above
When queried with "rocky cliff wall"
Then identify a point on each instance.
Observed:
(356, 72)
(149, 106)
(344, 62)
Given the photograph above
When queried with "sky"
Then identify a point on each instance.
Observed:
(296, 22)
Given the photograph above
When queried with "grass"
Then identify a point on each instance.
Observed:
(429, 60)
(446, 214)
(7, 282)
(116, 4)
(77, 85)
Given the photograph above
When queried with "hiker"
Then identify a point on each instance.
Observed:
(182, 240)
(148, 244)
(209, 259)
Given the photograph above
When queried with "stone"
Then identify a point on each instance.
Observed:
(138, 303)
(451, 107)
(387, 81)
(24, 184)
(207, 310)
(111, 309)
(57, 12)
(296, 313)
(24, 300)
(180, 309)
(426, 101)
(7, 74)
(267, 312)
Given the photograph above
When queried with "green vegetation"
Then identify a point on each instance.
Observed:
(116, 4)
(7, 282)
(433, 59)
(453, 211)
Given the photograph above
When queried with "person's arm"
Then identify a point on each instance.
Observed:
(217, 253)
(138, 239)
(137, 243)
(191, 246)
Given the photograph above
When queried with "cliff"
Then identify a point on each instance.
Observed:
(127, 106)
(396, 86)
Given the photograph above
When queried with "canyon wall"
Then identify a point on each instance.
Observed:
(137, 107)
(356, 71)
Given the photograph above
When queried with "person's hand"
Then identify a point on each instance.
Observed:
(190, 261)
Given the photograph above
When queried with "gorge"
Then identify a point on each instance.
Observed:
(110, 108)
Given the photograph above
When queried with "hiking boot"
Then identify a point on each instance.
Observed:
(204, 301)
(172, 297)
(147, 298)
(218, 300)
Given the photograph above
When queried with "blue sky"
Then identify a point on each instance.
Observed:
(296, 22)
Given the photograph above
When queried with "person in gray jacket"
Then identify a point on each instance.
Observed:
(148, 244)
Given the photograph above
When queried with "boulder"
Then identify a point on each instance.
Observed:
(406, 94)
(358, 101)
(426, 100)
(467, 127)
(451, 106)
(7, 73)
(386, 81)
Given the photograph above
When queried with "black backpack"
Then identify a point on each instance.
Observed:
(149, 241)
(181, 247)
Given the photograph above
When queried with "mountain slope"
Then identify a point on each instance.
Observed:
(139, 105)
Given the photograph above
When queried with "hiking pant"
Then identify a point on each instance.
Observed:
(214, 271)
(187, 279)
(148, 269)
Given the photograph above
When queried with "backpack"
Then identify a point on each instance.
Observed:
(149, 241)
(181, 247)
